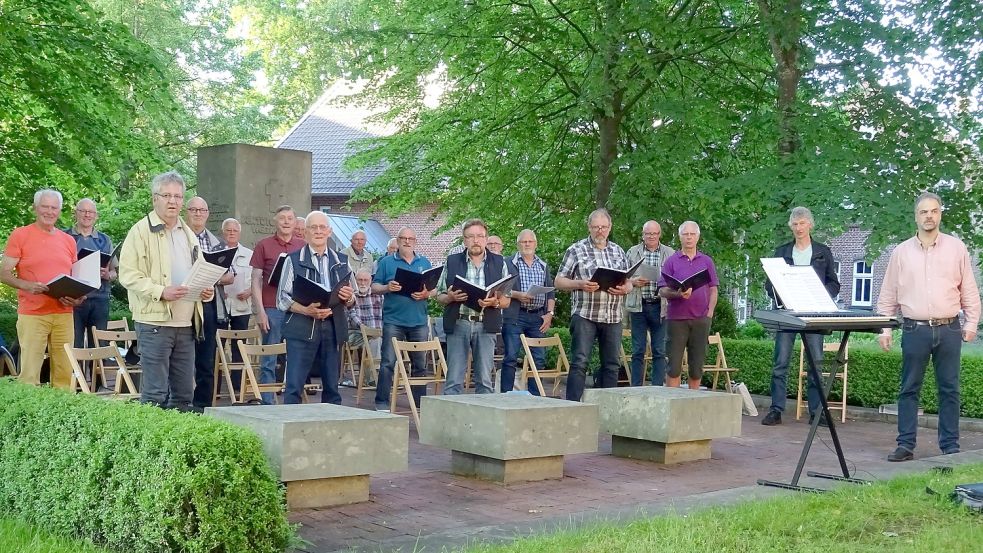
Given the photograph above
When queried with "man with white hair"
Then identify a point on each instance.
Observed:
(238, 293)
(359, 258)
(40, 252)
(803, 250)
(646, 309)
(155, 259)
(690, 311)
(299, 225)
(595, 314)
(94, 311)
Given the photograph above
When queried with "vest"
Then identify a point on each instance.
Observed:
(457, 266)
(297, 326)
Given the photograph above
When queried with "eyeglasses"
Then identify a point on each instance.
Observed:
(197, 210)
(651, 233)
(600, 227)
(407, 238)
(170, 197)
(475, 236)
(86, 211)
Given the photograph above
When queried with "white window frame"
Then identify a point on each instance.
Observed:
(863, 284)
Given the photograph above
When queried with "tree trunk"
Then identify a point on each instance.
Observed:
(609, 129)
(783, 22)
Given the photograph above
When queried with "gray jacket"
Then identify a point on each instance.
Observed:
(633, 302)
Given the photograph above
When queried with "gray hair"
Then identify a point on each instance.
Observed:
(597, 213)
(170, 177)
(47, 192)
(283, 208)
(230, 221)
(682, 226)
(80, 202)
(363, 271)
(360, 231)
(327, 219)
(921, 197)
(526, 231)
(799, 213)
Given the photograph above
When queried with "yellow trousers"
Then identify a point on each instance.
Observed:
(37, 333)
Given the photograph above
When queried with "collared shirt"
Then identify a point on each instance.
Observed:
(322, 262)
(650, 291)
(681, 267)
(398, 309)
(529, 276)
(264, 258)
(359, 262)
(933, 283)
(99, 242)
(208, 241)
(579, 262)
(369, 309)
(241, 283)
(41, 256)
(476, 275)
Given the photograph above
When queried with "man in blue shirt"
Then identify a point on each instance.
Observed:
(403, 317)
(94, 311)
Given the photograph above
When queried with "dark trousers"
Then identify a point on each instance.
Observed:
(526, 323)
(944, 345)
(387, 365)
(648, 325)
(583, 332)
(779, 372)
(94, 312)
(205, 357)
(167, 360)
(691, 335)
(305, 356)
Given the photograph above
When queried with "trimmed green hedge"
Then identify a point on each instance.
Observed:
(135, 478)
(8, 322)
(874, 375)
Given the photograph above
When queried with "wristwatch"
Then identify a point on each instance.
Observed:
(551, 313)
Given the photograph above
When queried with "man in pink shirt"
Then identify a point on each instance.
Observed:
(930, 279)
(40, 252)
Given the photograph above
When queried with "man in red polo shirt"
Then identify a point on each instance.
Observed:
(40, 252)
(265, 254)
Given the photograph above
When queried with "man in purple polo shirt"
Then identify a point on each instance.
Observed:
(689, 311)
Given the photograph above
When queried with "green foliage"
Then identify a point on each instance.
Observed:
(135, 478)
(19, 537)
(724, 319)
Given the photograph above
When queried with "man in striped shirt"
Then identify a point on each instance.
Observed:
(528, 314)
(595, 314)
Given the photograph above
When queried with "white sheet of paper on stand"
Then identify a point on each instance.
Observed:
(798, 286)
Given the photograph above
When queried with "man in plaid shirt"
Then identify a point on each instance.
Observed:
(368, 312)
(595, 314)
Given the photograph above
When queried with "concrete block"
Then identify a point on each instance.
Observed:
(659, 452)
(667, 415)
(511, 471)
(509, 426)
(319, 440)
(327, 492)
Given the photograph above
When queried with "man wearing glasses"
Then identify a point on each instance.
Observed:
(155, 258)
(469, 331)
(94, 311)
(403, 317)
(595, 314)
(646, 308)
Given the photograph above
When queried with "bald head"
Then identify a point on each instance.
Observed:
(197, 214)
(651, 234)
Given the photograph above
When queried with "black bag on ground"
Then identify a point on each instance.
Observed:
(970, 495)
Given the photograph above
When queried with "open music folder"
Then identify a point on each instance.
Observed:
(798, 286)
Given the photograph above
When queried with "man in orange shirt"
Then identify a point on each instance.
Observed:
(930, 279)
(40, 252)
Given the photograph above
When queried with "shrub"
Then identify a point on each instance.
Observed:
(724, 319)
(135, 478)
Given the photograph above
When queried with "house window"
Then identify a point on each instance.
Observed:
(863, 281)
(836, 269)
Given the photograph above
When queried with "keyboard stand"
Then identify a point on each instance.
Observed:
(816, 377)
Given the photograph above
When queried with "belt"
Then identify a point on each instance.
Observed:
(472, 318)
(651, 301)
(931, 322)
(537, 310)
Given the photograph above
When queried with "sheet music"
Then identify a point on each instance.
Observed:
(798, 286)
(648, 272)
(203, 275)
(537, 290)
(87, 270)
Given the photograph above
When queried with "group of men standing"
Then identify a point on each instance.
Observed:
(929, 280)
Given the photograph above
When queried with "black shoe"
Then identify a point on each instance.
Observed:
(822, 420)
(772, 418)
(951, 451)
(900, 454)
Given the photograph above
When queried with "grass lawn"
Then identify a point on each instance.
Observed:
(21, 538)
(891, 516)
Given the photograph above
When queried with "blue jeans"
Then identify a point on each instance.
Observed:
(583, 332)
(387, 365)
(305, 356)
(527, 323)
(94, 312)
(267, 373)
(646, 324)
(167, 360)
(779, 371)
(205, 356)
(944, 345)
(470, 338)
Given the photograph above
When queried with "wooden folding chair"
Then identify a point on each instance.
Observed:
(122, 340)
(402, 376)
(720, 366)
(252, 354)
(557, 373)
(226, 340)
(625, 358)
(7, 365)
(369, 361)
(841, 375)
(96, 356)
(118, 324)
(349, 362)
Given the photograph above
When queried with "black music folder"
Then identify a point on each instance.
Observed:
(306, 292)
(475, 292)
(221, 258)
(104, 258)
(696, 280)
(413, 282)
(274, 279)
(607, 277)
(64, 286)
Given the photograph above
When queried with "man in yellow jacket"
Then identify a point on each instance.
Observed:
(156, 257)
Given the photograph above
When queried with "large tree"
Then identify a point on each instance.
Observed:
(75, 95)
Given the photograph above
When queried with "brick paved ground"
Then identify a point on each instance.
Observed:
(429, 506)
